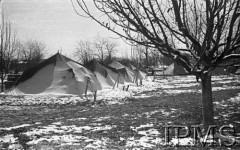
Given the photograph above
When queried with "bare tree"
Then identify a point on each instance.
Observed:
(101, 47)
(84, 52)
(143, 50)
(105, 49)
(199, 35)
(139, 49)
(7, 49)
(142, 54)
(16, 65)
(33, 52)
(99, 44)
(110, 50)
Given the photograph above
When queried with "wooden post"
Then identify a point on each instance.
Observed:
(95, 96)
(153, 75)
(134, 77)
(127, 88)
(116, 81)
(163, 72)
(136, 80)
(86, 87)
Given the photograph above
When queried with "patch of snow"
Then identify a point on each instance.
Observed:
(16, 127)
(57, 123)
(97, 143)
(151, 132)
(39, 99)
(5, 107)
(112, 94)
(143, 142)
(77, 119)
(181, 91)
(182, 141)
(102, 118)
(235, 99)
(125, 115)
(8, 139)
(107, 127)
(219, 105)
(144, 126)
(15, 147)
(67, 139)
(165, 112)
(149, 114)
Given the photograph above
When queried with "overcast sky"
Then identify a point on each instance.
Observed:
(53, 22)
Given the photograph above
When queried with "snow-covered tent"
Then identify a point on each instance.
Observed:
(106, 75)
(175, 69)
(126, 73)
(129, 74)
(57, 75)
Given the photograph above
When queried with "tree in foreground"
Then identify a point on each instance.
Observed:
(199, 35)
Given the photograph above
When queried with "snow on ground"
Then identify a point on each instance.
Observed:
(31, 99)
(66, 134)
(60, 134)
(72, 134)
(113, 96)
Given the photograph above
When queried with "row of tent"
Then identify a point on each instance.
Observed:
(61, 75)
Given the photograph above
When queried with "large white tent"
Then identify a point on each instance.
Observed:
(129, 74)
(126, 73)
(57, 75)
(174, 69)
(106, 75)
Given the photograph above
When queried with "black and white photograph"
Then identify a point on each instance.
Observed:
(119, 74)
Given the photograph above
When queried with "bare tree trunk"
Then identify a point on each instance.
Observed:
(207, 101)
(1, 65)
(146, 54)
(2, 85)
